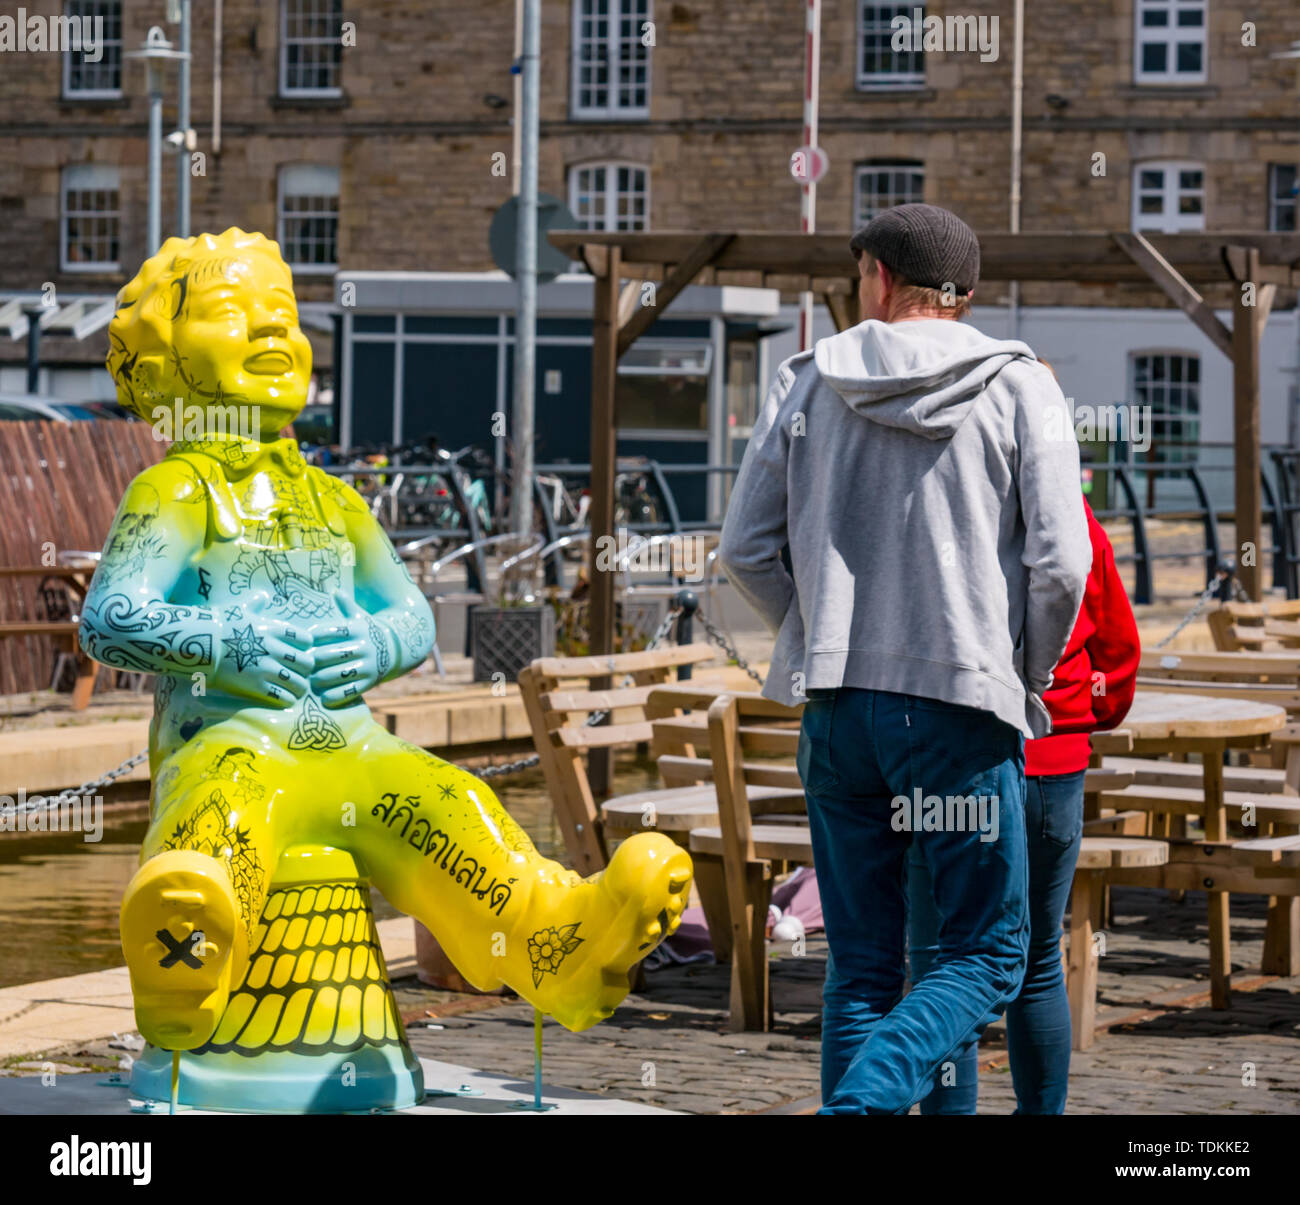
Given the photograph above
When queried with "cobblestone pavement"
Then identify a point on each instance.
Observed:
(1172, 1053)
(1160, 1048)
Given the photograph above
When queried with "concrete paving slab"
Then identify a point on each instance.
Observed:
(35, 1017)
(87, 1094)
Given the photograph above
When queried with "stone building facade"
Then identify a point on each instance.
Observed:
(377, 136)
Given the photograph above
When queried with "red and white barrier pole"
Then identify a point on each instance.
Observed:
(811, 96)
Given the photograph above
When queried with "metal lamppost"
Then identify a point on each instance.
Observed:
(157, 53)
(521, 494)
(179, 13)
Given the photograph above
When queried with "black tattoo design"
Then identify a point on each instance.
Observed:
(380, 641)
(156, 638)
(547, 948)
(209, 830)
(245, 647)
(413, 633)
(315, 730)
(236, 770)
(432, 842)
(134, 541)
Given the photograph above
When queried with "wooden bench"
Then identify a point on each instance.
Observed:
(1189, 801)
(560, 694)
(1235, 625)
(1159, 772)
(746, 845)
(1102, 859)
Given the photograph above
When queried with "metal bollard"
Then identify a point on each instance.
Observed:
(689, 603)
(1227, 571)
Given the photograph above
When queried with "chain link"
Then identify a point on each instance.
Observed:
(1208, 593)
(720, 639)
(54, 802)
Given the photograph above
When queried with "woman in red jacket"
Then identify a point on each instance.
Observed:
(1092, 689)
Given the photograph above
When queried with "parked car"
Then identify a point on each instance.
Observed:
(32, 407)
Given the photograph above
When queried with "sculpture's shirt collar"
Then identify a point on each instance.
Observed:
(242, 457)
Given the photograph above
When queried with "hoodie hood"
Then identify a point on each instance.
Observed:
(923, 376)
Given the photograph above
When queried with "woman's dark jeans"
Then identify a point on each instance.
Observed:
(1038, 1019)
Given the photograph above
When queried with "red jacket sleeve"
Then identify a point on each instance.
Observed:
(1114, 647)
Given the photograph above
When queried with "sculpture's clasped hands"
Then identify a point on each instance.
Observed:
(265, 660)
(351, 655)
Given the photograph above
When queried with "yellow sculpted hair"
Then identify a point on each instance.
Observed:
(147, 306)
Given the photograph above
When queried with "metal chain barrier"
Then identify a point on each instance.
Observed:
(54, 802)
(727, 646)
(1208, 593)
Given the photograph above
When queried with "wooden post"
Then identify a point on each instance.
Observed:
(1081, 978)
(1246, 331)
(1216, 829)
(602, 568)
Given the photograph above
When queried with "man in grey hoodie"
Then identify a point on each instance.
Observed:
(926, 480)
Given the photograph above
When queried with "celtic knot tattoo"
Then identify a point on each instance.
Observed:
(315, 730)
(380, 641)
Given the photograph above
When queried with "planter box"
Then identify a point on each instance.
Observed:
(505, 639)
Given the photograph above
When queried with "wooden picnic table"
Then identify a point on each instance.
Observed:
(1176, 722)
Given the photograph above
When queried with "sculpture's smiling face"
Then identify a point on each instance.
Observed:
(236, 336)
(210, 324)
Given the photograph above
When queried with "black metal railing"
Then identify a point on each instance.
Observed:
(1279, 518)
(1280, 490)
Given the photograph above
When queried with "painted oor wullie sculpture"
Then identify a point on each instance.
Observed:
(268, 600)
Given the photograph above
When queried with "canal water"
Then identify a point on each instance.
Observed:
(59, 895)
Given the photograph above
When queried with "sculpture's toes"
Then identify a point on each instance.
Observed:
(642, 894)
(178, 925)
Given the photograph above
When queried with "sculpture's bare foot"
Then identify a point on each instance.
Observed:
(179, 925)
(583, 937)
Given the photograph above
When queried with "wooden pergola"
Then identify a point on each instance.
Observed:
(823, 265)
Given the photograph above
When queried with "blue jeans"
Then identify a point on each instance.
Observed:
(1038, 1019)
(872, 763)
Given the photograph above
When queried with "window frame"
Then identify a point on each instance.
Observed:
(1198, 416)
(282, 81)
(611, 192)
(1167, 166)
(1274, 198)
(612, 110)
(104, 169)
(896, 81)
(1170, 76)
(68, 93)
(306, 269)
(874, 165)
